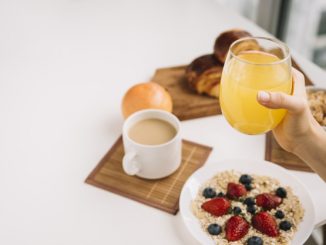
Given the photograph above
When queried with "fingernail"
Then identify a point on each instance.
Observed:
(263, 96)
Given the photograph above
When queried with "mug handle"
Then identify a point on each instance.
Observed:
(129, 164)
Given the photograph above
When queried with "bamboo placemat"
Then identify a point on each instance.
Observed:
(163, 193)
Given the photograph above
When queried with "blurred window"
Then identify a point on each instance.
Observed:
(299, 23)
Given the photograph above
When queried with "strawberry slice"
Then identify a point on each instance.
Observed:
(235, 191)
(236, 228)
(268, 201)
(265, 223)
(217, 206)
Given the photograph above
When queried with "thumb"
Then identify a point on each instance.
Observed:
(279, 100)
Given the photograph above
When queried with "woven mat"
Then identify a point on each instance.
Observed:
(163, 193)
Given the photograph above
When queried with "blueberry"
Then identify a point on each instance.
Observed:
(248, 187)
(285, 225)
(214, 229)
(209, 192)
(251, 209)
(279, 214)
(255, 240)
(237, 210)
(281, 192)
(245, 179)
(249, 201)
(220, 194)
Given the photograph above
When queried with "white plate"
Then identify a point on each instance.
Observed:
(192, 185)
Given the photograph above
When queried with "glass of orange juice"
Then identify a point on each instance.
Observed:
(254, 64)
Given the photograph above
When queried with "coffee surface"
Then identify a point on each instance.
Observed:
(152, 132)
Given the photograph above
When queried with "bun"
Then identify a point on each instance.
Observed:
(204, 75)
(146, 96)
(225, 39)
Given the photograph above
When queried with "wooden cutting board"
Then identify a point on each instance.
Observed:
(187, 104)
(275, 153)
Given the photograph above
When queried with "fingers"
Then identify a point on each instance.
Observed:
(298, 83)
(278, 100)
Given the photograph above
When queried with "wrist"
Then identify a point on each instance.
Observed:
(312, 135)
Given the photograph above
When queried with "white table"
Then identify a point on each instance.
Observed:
(64, 67)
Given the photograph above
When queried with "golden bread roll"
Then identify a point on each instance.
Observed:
(204, 75)
(225, 39)
(148, 95)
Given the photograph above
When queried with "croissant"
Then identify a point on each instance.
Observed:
(204, 75)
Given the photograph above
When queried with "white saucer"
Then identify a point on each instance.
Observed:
(192, 185)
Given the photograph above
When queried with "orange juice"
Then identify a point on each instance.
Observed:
(243, 76)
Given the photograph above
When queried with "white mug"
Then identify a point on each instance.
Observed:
(151, 161)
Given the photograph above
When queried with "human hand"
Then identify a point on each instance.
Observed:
(298, 123)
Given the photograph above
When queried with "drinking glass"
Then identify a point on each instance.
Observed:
(254, 64)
